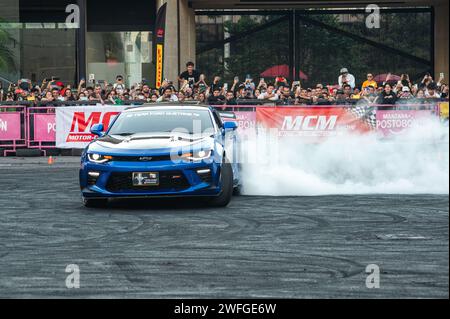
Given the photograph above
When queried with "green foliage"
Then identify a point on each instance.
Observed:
(7, 62)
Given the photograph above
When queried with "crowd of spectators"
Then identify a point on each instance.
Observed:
(194, 87)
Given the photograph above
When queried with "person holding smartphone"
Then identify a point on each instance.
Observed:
(235, 86)
(82, 85)
(201, 84)
(249, 84)
(346, 78)
(216, 84)
(270, 93)
(295, 86)
(440, 80)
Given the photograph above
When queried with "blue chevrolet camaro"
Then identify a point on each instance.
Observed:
(161, 151)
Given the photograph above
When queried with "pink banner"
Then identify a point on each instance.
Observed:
(10, 126)
(44, 127)
(246, 121)
(394, 122)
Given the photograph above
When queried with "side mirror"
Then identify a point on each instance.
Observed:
(231, 125)
(97, 129)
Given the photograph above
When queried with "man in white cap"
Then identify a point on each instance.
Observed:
(346, 78)
(406, 93)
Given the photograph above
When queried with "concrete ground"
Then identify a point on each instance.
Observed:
(288, 247)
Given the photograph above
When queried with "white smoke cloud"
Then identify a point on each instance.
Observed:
(415, 162)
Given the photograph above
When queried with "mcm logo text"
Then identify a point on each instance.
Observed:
(81, 124)
(309, 123)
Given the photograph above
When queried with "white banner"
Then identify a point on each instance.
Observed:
(73, 124)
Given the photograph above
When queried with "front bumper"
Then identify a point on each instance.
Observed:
(114, 180)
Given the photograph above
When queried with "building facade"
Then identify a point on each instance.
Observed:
(99, 39)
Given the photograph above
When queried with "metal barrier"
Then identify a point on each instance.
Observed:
(26, 125)
(83, 103)
(41, 128)
(13, 133)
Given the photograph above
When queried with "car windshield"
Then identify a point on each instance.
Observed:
(159, 121)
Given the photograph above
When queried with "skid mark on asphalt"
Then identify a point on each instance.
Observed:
(131, 271)
(258, 246)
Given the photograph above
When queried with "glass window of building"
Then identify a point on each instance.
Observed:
(35, 41)
(119, 41)
(313, 45)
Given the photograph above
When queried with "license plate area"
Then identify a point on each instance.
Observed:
(145, 179)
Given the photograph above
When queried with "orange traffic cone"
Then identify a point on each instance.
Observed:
(50, 160)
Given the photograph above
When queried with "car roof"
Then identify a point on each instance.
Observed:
(167, 106)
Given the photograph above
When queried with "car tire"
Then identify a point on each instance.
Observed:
(95, 203)
(28, 152)
(53, 152)
(226, 178)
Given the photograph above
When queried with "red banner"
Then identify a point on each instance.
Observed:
(310, 121)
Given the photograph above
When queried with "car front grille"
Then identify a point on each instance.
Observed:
(168, 181)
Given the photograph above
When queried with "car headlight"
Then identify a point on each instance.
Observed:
(98, 158)
(197, 155)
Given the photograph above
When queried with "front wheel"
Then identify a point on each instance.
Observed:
(226, 178)
(94, 203)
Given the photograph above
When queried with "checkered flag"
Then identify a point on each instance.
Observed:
(365, 113)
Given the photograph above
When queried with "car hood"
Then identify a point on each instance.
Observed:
(151, 143)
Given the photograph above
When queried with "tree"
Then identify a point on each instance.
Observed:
(7, 63)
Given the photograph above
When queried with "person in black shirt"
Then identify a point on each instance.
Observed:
(388, 96)
(444, 91)
(191, 75)
(216, 98)
(216, 84)
(229, 99)
(342, 98)
(286, 97)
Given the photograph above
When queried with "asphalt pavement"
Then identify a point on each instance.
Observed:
(257, 247)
